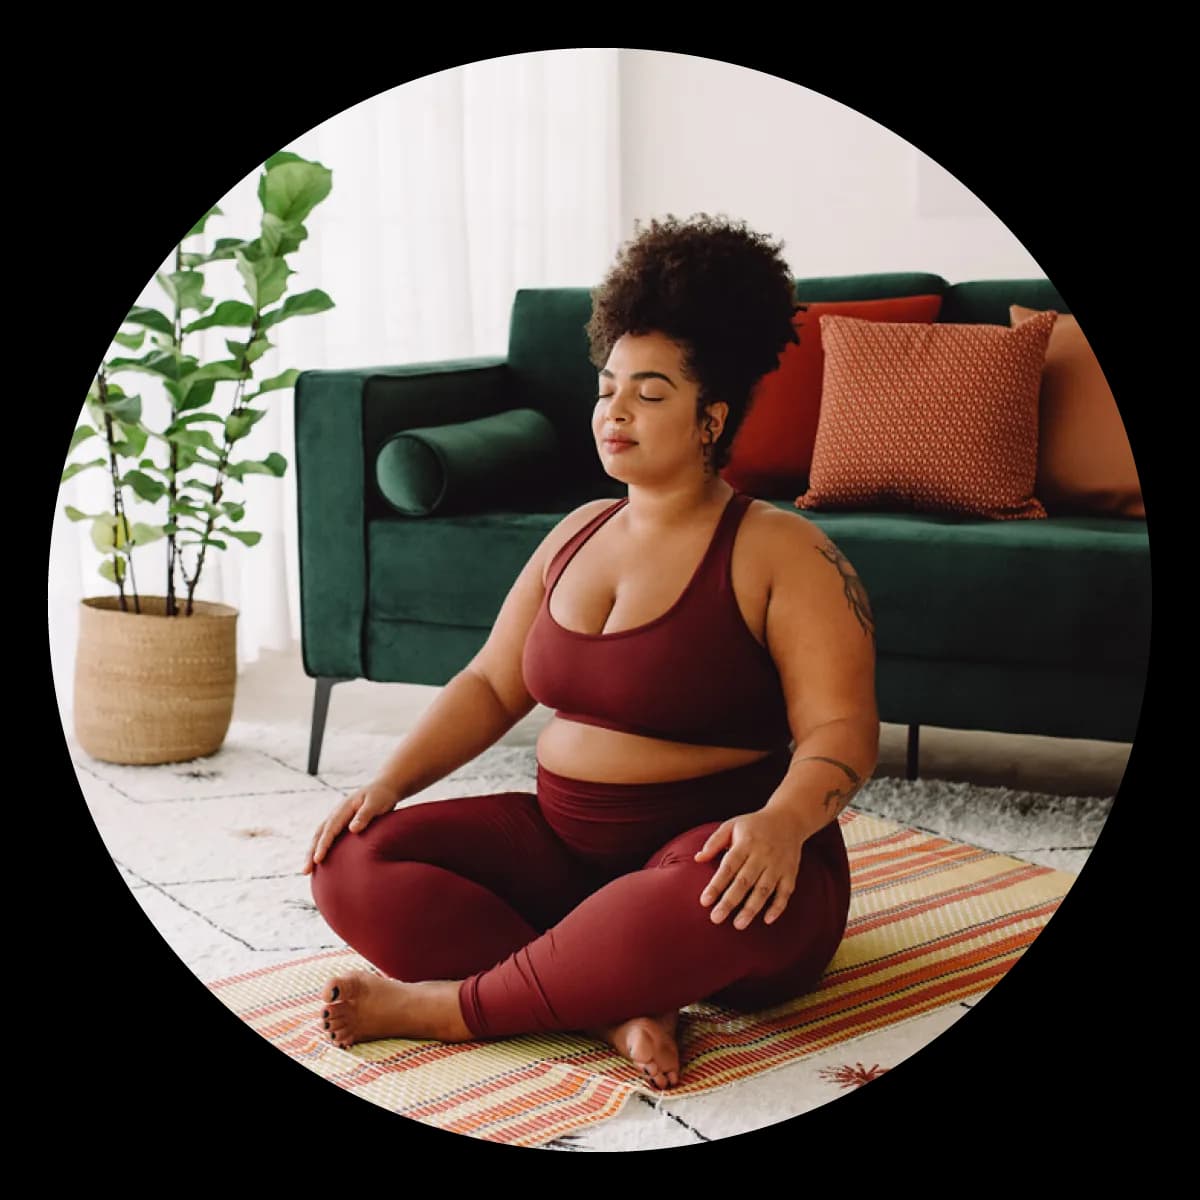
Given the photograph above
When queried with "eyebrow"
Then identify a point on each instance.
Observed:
(641, 375)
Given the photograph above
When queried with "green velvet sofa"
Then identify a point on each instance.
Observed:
(1027, 626)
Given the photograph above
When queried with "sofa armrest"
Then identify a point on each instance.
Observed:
(341, 418)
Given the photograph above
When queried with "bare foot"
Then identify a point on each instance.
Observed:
(650, 1044)
(360, 1007)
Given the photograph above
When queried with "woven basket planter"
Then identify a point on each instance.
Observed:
(151, 688)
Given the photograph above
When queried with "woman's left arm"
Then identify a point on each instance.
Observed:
(820, 632)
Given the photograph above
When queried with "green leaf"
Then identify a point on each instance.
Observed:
(194, 419)
(290, 188)
(244, 536)
(110, 532)
(217, 370)
(191, 393)
(303, 304)
(285, 380)
(249, 352)
(152, 319)
(208, 541)
(233, 510)
(265, 278)
(185, 289)
(81, 434)
(131, 341)
(75, 468)
(132, 442)
(145, 534)
(228, 312)
(123, 408)
(106, 569)
(74, 514)
(195, 438)
(280, 237)
(170, 364)
(273, 464)
(198, 228)
(237, 425)
(145, 487)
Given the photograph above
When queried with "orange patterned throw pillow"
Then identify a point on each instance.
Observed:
(929, 418)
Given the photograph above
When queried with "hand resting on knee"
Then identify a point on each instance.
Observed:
(355, 812)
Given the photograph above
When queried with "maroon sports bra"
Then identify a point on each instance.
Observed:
(696, 674)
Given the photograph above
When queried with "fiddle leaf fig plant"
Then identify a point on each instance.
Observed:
(186, 465)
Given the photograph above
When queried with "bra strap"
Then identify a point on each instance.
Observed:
(567, 550)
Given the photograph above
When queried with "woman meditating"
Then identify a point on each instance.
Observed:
(711, 662)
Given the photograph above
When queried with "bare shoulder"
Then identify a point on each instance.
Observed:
(800, 559)
(772, 532)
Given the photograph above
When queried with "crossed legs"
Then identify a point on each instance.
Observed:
(503, 930)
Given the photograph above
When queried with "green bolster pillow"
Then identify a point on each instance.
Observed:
(472, 464)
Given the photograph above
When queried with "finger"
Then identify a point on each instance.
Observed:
(738, 888)
(310, 860)
(758, 895)
(723, 876)
(782, 894)
(361, 818)
(328, 834)
(716, 840)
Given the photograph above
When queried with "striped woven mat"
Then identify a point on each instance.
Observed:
(931, 922)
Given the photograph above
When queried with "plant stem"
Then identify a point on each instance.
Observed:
(118, 507)
(173, 493)
(238, 407)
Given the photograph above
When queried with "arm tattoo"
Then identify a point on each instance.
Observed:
(856, 594)
(839, 796)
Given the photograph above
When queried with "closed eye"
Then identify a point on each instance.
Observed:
(654, 399)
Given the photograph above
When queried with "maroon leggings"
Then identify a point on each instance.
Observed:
(580, 906)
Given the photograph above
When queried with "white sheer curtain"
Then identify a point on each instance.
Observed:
(449, 193)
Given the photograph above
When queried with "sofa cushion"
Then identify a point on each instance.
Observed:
(1085, 463)
(772, 453)
(929, 418)
(1066, 591)
(466, 464)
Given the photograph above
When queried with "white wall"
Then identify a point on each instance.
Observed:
(846, 195)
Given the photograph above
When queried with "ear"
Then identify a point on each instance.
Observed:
(719, 411)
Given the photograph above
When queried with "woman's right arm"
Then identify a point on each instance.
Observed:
(472, 712)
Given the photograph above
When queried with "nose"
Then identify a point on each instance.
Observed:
(615, 408)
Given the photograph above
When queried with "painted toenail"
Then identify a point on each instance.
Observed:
(325, 1023)
(335, 994)
(325, 1014)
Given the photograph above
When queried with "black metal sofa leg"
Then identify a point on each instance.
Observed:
(320, 711)
(914, 733)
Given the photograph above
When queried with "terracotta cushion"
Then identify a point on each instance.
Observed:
(772, 453)
(1085, 463)
(929, 418)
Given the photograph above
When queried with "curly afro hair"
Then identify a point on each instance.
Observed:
(717, 289)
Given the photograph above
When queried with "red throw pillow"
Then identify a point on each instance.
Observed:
(930, 418)
(772, 453)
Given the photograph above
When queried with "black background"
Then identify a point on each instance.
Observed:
(1058, 1062)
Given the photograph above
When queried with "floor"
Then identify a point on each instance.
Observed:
(198, 900)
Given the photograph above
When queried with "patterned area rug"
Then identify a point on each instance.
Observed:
(932, 921)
